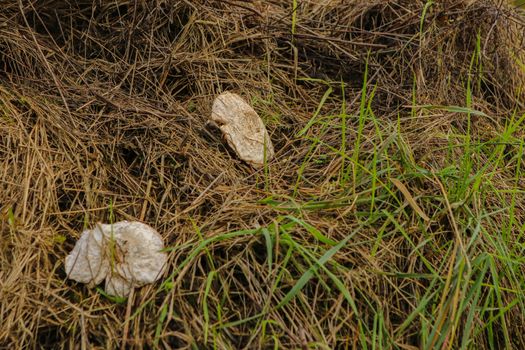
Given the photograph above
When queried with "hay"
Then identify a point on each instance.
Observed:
(103, 116)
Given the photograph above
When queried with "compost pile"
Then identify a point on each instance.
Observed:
(104, 116)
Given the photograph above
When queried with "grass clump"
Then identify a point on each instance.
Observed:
(392, 216)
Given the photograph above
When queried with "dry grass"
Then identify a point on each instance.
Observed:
(103, 112)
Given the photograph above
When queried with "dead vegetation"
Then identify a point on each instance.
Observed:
(103, 116)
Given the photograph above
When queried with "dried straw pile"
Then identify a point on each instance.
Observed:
(104, 109)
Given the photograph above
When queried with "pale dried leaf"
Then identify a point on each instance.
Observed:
(408, 196)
